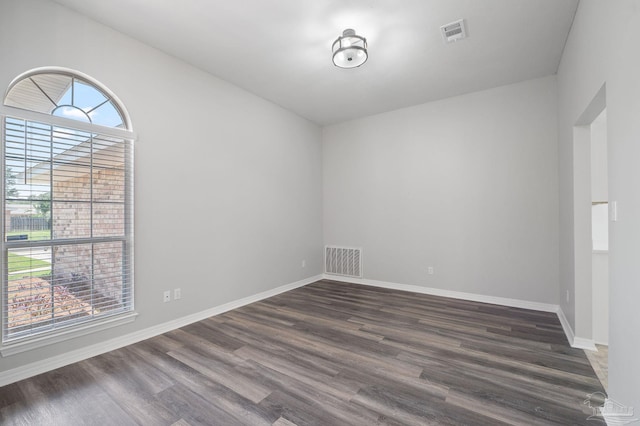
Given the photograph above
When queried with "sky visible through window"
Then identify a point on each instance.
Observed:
(81, 100)
(28, 144)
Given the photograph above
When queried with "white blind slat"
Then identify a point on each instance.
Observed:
(66, 208)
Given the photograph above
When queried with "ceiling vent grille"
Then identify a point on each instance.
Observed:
(454, 31)
(343, 261)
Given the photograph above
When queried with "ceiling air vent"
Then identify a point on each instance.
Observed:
(454, 31)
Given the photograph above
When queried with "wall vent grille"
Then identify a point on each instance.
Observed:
(343, 261)
(454, 31)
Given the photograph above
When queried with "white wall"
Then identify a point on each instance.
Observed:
(599, 231)
(248, 169)
(600, 298)
(467, 185)
(596, 55)
(599, 180)
(582, 294)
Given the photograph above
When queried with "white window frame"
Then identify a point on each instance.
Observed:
(82, 328)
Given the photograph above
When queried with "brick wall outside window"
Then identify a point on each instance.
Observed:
(71, 218)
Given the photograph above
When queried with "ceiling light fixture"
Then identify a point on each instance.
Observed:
(349, 50)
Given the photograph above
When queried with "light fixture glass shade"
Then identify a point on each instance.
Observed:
(349, 50)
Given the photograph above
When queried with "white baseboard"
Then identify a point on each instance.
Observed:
(568, 331)
(39, 367)
(582, 343)
(503, 301)
(575, 342)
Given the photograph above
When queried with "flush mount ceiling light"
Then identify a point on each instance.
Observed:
(349, 50)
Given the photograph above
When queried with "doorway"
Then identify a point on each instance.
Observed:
(591, 230)
(599, 231)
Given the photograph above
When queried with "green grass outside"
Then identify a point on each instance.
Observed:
(33, 235)
(34, 274)
(24, 263)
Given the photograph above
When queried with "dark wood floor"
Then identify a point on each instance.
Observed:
(327, 354)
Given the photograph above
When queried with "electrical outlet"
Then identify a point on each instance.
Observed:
(304, 263)
(177, 294)
(167, 296)
(430, 270)
(567, 296)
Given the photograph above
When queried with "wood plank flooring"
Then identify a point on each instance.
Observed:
(599, 360)
(327, 354)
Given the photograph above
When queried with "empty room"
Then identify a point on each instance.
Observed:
(357, 212)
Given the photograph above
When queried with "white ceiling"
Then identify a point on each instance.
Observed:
(281, 49)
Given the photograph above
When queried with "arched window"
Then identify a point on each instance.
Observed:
(68, 220)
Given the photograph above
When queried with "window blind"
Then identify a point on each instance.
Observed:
(68, 228)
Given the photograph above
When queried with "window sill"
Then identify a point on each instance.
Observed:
(20, 346)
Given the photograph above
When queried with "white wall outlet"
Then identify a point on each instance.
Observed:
(167, 296)
(177, 294)
(430, 270)
(304, 263)
(567, 296)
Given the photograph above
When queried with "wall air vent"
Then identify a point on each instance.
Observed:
(343, 261)
(454, 31)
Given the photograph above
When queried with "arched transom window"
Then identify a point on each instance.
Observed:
(65, 95)
(68, 226)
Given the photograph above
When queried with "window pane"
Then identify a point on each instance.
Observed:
(28, 221)
(72, 113)
(51, 287)
(27, 189)
(29, 261)
(29, 304)
(108, 169)
(86, 97)
(108, 185)
(29, 293)
(54, 85)
(26, 95)
(106, 115)
(72, 183)
(110, 292)
(70, 219)
(72, 269)
(108, 219)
